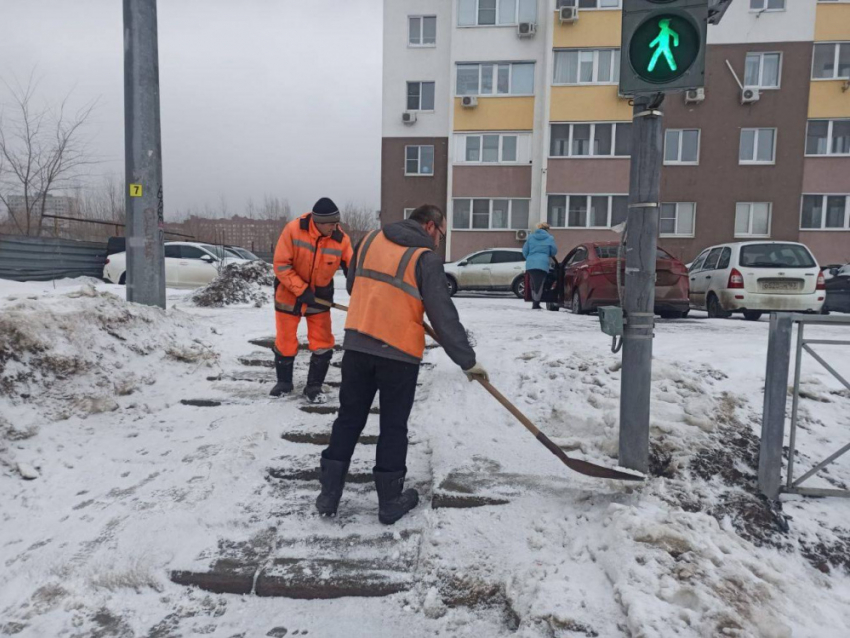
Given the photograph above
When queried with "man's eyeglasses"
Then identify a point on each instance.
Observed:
(442, 234)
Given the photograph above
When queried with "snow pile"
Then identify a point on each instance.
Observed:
(241, 283)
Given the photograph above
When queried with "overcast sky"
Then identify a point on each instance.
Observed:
(278, 97)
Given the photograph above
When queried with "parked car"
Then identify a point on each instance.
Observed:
(492, 269)
(242, 253)
(756, 277)
(588, 280)
(187, 264)
(837, 285)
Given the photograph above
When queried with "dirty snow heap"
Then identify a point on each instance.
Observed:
(240, 283)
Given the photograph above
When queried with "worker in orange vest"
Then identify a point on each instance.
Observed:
(310, 250)
(395, 278)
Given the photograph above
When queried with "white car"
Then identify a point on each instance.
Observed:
(756, 277)
(187, 264)
(491, 269)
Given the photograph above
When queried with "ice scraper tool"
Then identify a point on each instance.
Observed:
(582, 467)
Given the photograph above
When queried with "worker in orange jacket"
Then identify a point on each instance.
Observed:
(310, 250)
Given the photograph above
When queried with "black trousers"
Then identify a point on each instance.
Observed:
(362, 376)
(538, 280)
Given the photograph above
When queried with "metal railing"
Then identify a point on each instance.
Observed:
(775, 398)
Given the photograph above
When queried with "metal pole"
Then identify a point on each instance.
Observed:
(798, 365)
(775, 398)
(143, 156)
(639, 300)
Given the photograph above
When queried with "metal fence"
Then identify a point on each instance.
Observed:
(46, 258)
(775, 399)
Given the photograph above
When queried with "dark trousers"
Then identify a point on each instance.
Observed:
(538, 280)
(362, 376)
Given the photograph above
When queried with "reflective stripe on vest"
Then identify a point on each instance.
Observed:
(398, 280)
(305, 245)
(285, 307)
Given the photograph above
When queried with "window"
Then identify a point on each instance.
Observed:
(713, 259)
(481, 259)
(420, 96)
(507, 257)
(752, 219)
(489, 214)
(831, 61)
(408, 212)
(495, 78)
(776, 256)
(681, 146)
(587, 211)
(419, 160)
(589, 4)
(422, 31)
(596, 139)
(587, 66)
(828, 137)
(172, 252)
(825, 212)
(758, 146)
(492, 148)
(488, 13)
(192, 252)
(677, 219)
(763, 70)
(767, 5)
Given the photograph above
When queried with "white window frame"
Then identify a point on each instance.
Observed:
(419, 160)
(756, 137)
(495, 79)
(679, 161)
(408, 212)
(514, 21)
(523, 147)
(823, 228)
(676, 232)
(749, 232)
(615, 77)
(760, 86)
(610, 197)
(569, 154)
(575, 3)
(829, 138)
(490, 228)
(764, 7)
(420, 83)
(838, 44)
(421, 44)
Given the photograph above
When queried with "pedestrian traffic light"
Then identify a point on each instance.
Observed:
(663, 45)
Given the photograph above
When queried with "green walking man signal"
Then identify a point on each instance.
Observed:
(662, 41)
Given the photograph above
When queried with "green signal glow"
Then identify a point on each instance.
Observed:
(662, 41)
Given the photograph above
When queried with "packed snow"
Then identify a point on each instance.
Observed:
(109, 481)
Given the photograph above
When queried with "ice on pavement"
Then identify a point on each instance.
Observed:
(108, 482)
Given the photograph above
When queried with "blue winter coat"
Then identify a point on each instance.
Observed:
(538, 249)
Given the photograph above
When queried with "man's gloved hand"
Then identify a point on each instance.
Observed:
(307, 297)
(477, 372)
(325, 292)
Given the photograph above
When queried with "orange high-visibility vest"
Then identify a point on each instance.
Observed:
(385, 301)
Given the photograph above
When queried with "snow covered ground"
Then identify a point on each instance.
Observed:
(108, 483)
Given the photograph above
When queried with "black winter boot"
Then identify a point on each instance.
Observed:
(319, 364)
(332, 479)
(393, 500)
(283, 367)
(536, 306)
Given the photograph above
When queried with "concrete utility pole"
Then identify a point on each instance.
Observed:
(143, 156)
(639, 301)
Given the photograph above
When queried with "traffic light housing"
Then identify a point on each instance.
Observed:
(663, 46)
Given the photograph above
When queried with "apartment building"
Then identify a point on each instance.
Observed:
(507, 112)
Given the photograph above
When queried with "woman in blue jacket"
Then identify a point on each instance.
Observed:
(539, 248)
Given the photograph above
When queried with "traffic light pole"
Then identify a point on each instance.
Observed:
(145, 277)
(639, 302)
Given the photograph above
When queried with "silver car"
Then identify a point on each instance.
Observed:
(491, 269)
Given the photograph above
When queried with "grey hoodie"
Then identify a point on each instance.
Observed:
(431, 281)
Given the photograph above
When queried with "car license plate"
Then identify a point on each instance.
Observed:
(779, 285)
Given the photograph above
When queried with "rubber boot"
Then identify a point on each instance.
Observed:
(319, 364)
(536, 306)
(283, 367)
(332, 478)
(393, 500)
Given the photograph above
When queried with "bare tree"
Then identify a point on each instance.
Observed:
(357, 221)
(103, 202)
(275, 208)
(42, 150)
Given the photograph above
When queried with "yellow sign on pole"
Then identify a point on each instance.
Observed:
(135, 190)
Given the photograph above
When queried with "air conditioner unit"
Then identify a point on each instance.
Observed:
(526, 29)
(748, 96)
(408, 117)
(695, 96)
(469, 101)
(568, 14)
(521, 235)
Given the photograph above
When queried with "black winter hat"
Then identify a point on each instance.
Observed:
(325, 211)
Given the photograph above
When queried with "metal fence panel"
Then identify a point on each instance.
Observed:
(46, 258)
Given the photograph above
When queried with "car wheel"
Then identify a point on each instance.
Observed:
(553, 307)
(519, 287)
(575, 306)
(452, 285)
(122, 280)
(715, 310)
(752, 315)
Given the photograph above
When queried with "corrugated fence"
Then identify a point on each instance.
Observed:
(46, 258)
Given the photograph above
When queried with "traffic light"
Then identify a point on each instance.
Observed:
(663, 45)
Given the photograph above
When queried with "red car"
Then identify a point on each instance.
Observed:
(588, 279)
